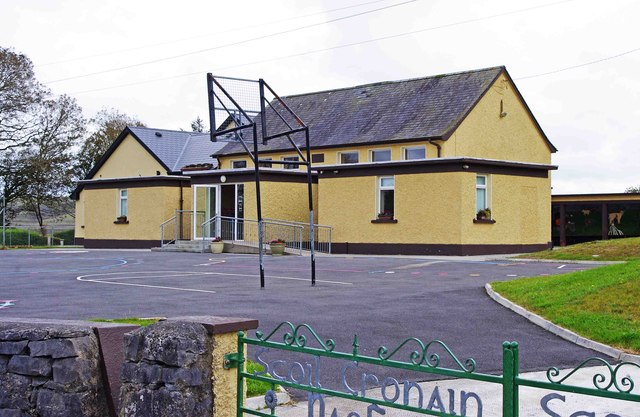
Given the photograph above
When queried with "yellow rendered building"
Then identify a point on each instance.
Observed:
(451, 164)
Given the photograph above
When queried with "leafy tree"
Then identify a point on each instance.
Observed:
(47, 163)
(19, 93)
(198, 125)
(633, 190)
(106, 126)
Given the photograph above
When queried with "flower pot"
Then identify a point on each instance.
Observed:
(277, 249)
(216, 247)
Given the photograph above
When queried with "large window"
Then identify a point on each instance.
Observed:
(380, 155)
(265, 164)
(386, 190)
(482, 193)
(415, 152)
(238, 164)
(123, 203)
(348, 157)
(290, 158)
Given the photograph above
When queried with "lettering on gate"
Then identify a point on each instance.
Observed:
(390, 389)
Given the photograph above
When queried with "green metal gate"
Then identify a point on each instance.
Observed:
(415, 355)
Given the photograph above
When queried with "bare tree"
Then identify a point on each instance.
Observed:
(633, 190)
(197, 125)
(105, 128)
(19, 93)
(47, 163)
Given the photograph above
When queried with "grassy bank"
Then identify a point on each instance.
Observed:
(602, 250)
(600, 304)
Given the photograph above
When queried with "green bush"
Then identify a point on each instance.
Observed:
(20, 237)
(66, 235)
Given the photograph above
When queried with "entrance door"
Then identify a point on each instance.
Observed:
(232, 206)
(205, 203)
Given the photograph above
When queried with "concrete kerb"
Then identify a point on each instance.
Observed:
(562, 332)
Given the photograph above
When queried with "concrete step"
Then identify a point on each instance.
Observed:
(195, 246)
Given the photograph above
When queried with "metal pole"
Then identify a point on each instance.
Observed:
(4, 215)
(256, 166)
(311, 224)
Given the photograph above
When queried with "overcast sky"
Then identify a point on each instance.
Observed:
(149, 59)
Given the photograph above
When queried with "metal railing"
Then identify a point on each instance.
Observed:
(322, 235)
(180, 226)
(246, 231)
(34, 235)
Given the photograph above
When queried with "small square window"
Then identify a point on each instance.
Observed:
(380, 155)
(415, 152)
(349, 157)
(238, 164)
(291, 158)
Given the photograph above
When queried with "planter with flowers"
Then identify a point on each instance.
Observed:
(484, 216)
(217, 245)
(385, 217)
(277, 247)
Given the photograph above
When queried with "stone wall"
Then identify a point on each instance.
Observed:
(167, 371)
(50, 371)
(72, 369)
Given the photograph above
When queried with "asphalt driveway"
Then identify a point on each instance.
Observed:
(383, 300)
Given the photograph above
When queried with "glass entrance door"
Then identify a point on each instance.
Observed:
(225, 200)
(205, 199)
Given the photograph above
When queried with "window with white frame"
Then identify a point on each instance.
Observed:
(123, 203)
(291, 158)
(414, 152)
(482, 192)
(386, 196)
(238, 164)
(380, 155)
(348, 157)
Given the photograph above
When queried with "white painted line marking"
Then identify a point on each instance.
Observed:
(512, 275)
(68, 251)
(213, 262)
(389, 272)
(561, 266)
(115, 279)
(419, 265)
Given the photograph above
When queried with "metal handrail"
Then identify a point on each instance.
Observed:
(295, 232)
(162, 226)
(319, 245)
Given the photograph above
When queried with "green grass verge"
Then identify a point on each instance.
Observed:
(256, 388)
(129, 320)
(600, 304)
(602, 250)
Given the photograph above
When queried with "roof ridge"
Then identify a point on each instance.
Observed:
(377, 83)
(184, 148)
(168, 130)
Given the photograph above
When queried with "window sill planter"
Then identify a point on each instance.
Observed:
(277, 249)
(216, 247)
(384, 220)
(121, 220)
(484, 221)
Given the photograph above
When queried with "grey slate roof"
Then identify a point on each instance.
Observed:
(176, 149)
(430, 107)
